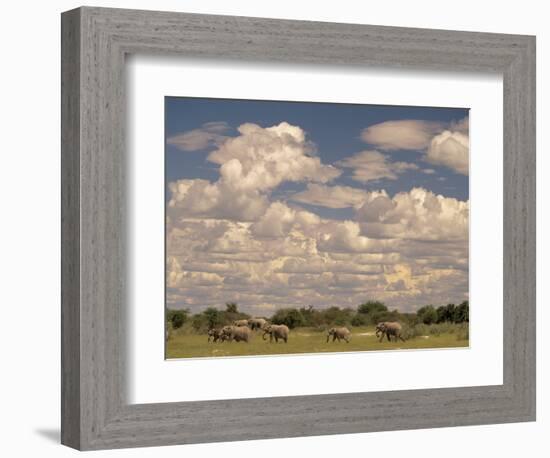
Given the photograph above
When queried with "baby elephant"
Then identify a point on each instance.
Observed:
(339, 333)
(389, 329)
(215, 334)
(276, 331)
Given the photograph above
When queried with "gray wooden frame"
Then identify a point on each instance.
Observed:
(95, 41)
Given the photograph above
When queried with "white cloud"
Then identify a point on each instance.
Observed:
(209, 134)
(251, 165)
(444, 144)
(407, 134)
(228, 240)
(373, 166)
(345, 236)
(417, 215)
(262, 158)
(214, 200)
(330, 196)
(450, 149)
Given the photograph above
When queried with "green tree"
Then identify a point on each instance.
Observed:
(312, 317)
(372, 307)
(427, 314)
(440, 314)
(462, 313)
(177, 318)
(359, 319)
(289, 316)
(198, 321)
(337, 316)
(231, 307)
(213, 317)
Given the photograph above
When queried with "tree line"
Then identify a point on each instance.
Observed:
(368, 313)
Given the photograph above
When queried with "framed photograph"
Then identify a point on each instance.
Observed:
(280, 228)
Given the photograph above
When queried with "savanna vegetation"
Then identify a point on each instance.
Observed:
(309, 329)
(187, 335)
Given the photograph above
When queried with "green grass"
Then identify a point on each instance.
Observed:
(302, 340)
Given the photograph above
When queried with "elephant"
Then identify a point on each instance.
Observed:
(339, 333)
(236, 333)
(276, 331)
(214, 335)
(389, 329)
(257, 323)
(240, 323)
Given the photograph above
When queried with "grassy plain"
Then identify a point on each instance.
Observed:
(304, 340)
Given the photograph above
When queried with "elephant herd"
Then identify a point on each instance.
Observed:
(241, 331)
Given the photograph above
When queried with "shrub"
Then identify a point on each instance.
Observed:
(462, 313)
(290, 316)
(427, 314)
(213, 317)
(335, 316)
(359, 319)
(231, 307)
(371, 307)
(176, 318)
(198, 322)
(417, 331)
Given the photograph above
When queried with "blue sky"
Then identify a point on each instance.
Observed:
(273, 203)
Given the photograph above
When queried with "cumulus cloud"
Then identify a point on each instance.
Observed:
(231, 240)
(208, 135)
(373, 166)
(445, 144)
(251, 165)
(418, 215)
(330, 196)
(262, 158)
(214, 200)
(407, 134)
(450, 149)
(346, 237)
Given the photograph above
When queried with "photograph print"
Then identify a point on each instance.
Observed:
(306, 227)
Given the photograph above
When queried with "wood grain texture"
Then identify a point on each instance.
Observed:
(95, 413)
(70, 229)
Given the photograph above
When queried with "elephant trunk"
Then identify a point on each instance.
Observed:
(264, 334)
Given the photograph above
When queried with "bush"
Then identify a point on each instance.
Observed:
(231, 307)
(335, 316)
(359, 319)
(291, 317)
(418, 330)
(462, 313)
(371, 307)
(427, 314)
(213, 317)
(198, 322)
(176, 318)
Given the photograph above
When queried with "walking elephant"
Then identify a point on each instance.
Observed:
(276, 331)
(389, 329)
(257, 323)
(236, 333)
(339, 333)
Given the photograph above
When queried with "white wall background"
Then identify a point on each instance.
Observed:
(29, 233)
